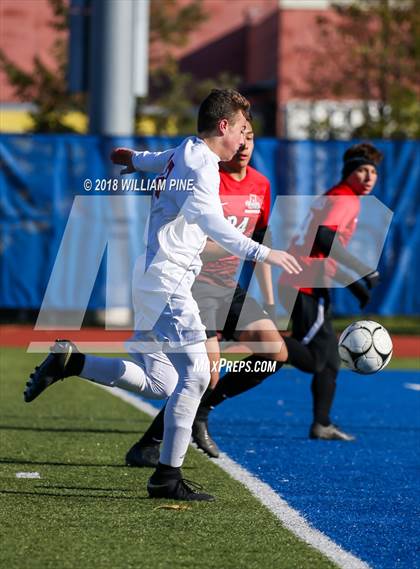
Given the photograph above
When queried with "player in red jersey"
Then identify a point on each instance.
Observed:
(313, 345)
(224, 306)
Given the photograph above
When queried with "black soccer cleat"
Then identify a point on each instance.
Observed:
(51, 370)
(178, 489)
(143, 456)
(329, 433)
(202, 438)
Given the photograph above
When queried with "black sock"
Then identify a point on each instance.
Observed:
(234, 383)
(154, 434)
(164, 472)
(75, 364)
(323, 390)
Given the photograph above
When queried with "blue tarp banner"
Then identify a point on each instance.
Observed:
(43, 180)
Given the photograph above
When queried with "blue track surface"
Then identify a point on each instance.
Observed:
(364, 495)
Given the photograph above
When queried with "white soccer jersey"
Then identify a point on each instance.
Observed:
(188, 207)
(183, 213)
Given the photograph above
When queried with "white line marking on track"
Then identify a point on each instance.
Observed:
(413, 386)
(289, 517)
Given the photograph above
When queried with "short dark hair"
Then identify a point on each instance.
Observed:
(220, 104)
(363, 150)
(359, 155)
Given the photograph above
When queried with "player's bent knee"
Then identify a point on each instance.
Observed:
(263, 338)
(319, 365)
(166, 391)
(275, 349)
(197, 385)
(183, 409)
(194, 383)
(282, 353)
(155, 389)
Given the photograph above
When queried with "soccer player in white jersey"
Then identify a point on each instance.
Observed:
(169, 335)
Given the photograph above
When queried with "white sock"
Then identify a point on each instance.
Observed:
(114, 372)
(157, 382)
(183, 404)
(179, 415)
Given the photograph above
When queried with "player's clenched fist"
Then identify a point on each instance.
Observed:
(124, 157)
(284, 260)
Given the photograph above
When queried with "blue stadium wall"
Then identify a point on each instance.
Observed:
(41, 175)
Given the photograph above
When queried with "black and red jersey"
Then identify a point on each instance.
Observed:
(246, 204)
(338, 214)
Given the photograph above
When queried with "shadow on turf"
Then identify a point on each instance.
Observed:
(88, 488)
(69, 430)
(54, 463)
(138, 422)
(73, 495)
(82, 464)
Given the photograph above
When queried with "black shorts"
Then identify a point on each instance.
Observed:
(312, 326)
(225, 309)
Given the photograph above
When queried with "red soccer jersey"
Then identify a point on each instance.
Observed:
(337, 214)
(246, 204)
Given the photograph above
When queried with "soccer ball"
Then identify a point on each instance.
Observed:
(365, 347)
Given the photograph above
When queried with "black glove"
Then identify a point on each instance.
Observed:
(360, 292)
(271, 310)
(372, 279)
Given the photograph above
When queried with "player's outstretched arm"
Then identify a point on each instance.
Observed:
(212, 252)
(123, 157)
(141, 161)
(360, 288)
(215, 226)
(326, 238)
(264, 276)
(284, 260)
(204, 208)
(263, 270)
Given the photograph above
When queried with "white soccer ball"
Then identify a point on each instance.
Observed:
(365, 347)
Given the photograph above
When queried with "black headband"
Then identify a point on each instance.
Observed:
(353, 163)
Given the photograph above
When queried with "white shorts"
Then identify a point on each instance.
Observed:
(165, 310)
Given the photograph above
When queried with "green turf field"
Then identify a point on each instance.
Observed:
(87, 510)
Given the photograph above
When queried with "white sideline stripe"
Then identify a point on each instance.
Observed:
(289, 517)
(413, 386)
(131, 398)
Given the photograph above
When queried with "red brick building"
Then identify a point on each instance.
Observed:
(261, 41)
